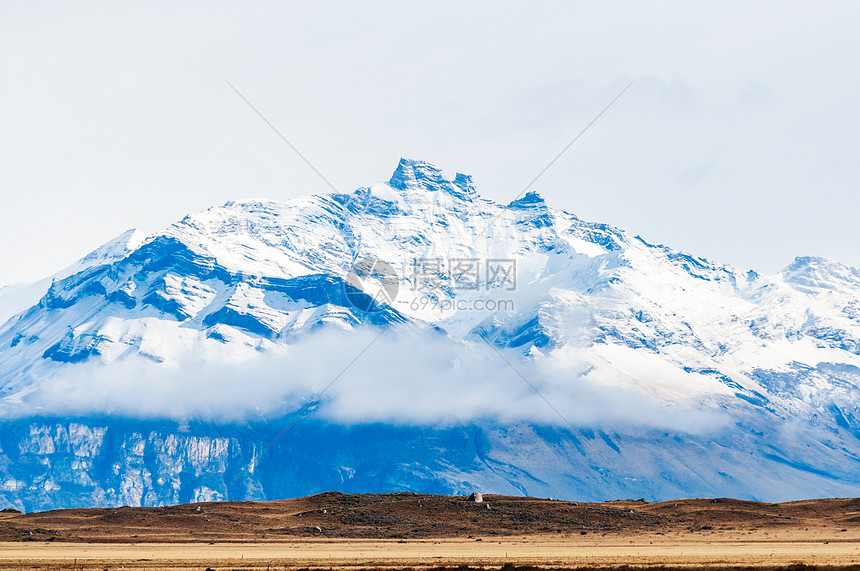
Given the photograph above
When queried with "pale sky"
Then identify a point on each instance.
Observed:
(740, 142)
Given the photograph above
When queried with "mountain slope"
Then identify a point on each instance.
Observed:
(16, 298)
(670, 375)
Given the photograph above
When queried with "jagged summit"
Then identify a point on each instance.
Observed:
(530, 200)
(464, 182)
(412, 174)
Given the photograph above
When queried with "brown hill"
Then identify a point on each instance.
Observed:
(418, 516)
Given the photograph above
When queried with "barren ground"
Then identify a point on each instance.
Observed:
(376, 531)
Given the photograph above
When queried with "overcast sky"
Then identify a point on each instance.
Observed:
(740, 142)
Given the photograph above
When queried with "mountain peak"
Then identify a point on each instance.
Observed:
(813, 264)
(810, 273)
(415, 174)
(531, 200)
(464, 183)
(412, 173)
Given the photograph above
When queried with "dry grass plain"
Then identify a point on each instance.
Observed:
(411, 531)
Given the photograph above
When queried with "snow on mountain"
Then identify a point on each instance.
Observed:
(16, 298)
(154, 370)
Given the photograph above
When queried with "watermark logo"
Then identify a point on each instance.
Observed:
(371, 285)
(439, 285)
(445, 286)
(463, 274)
(446, 305)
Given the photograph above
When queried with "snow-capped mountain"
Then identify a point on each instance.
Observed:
(137, 377)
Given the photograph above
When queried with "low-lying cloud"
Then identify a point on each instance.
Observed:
(402, 378)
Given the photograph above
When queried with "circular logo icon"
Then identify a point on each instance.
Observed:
(372, 285)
